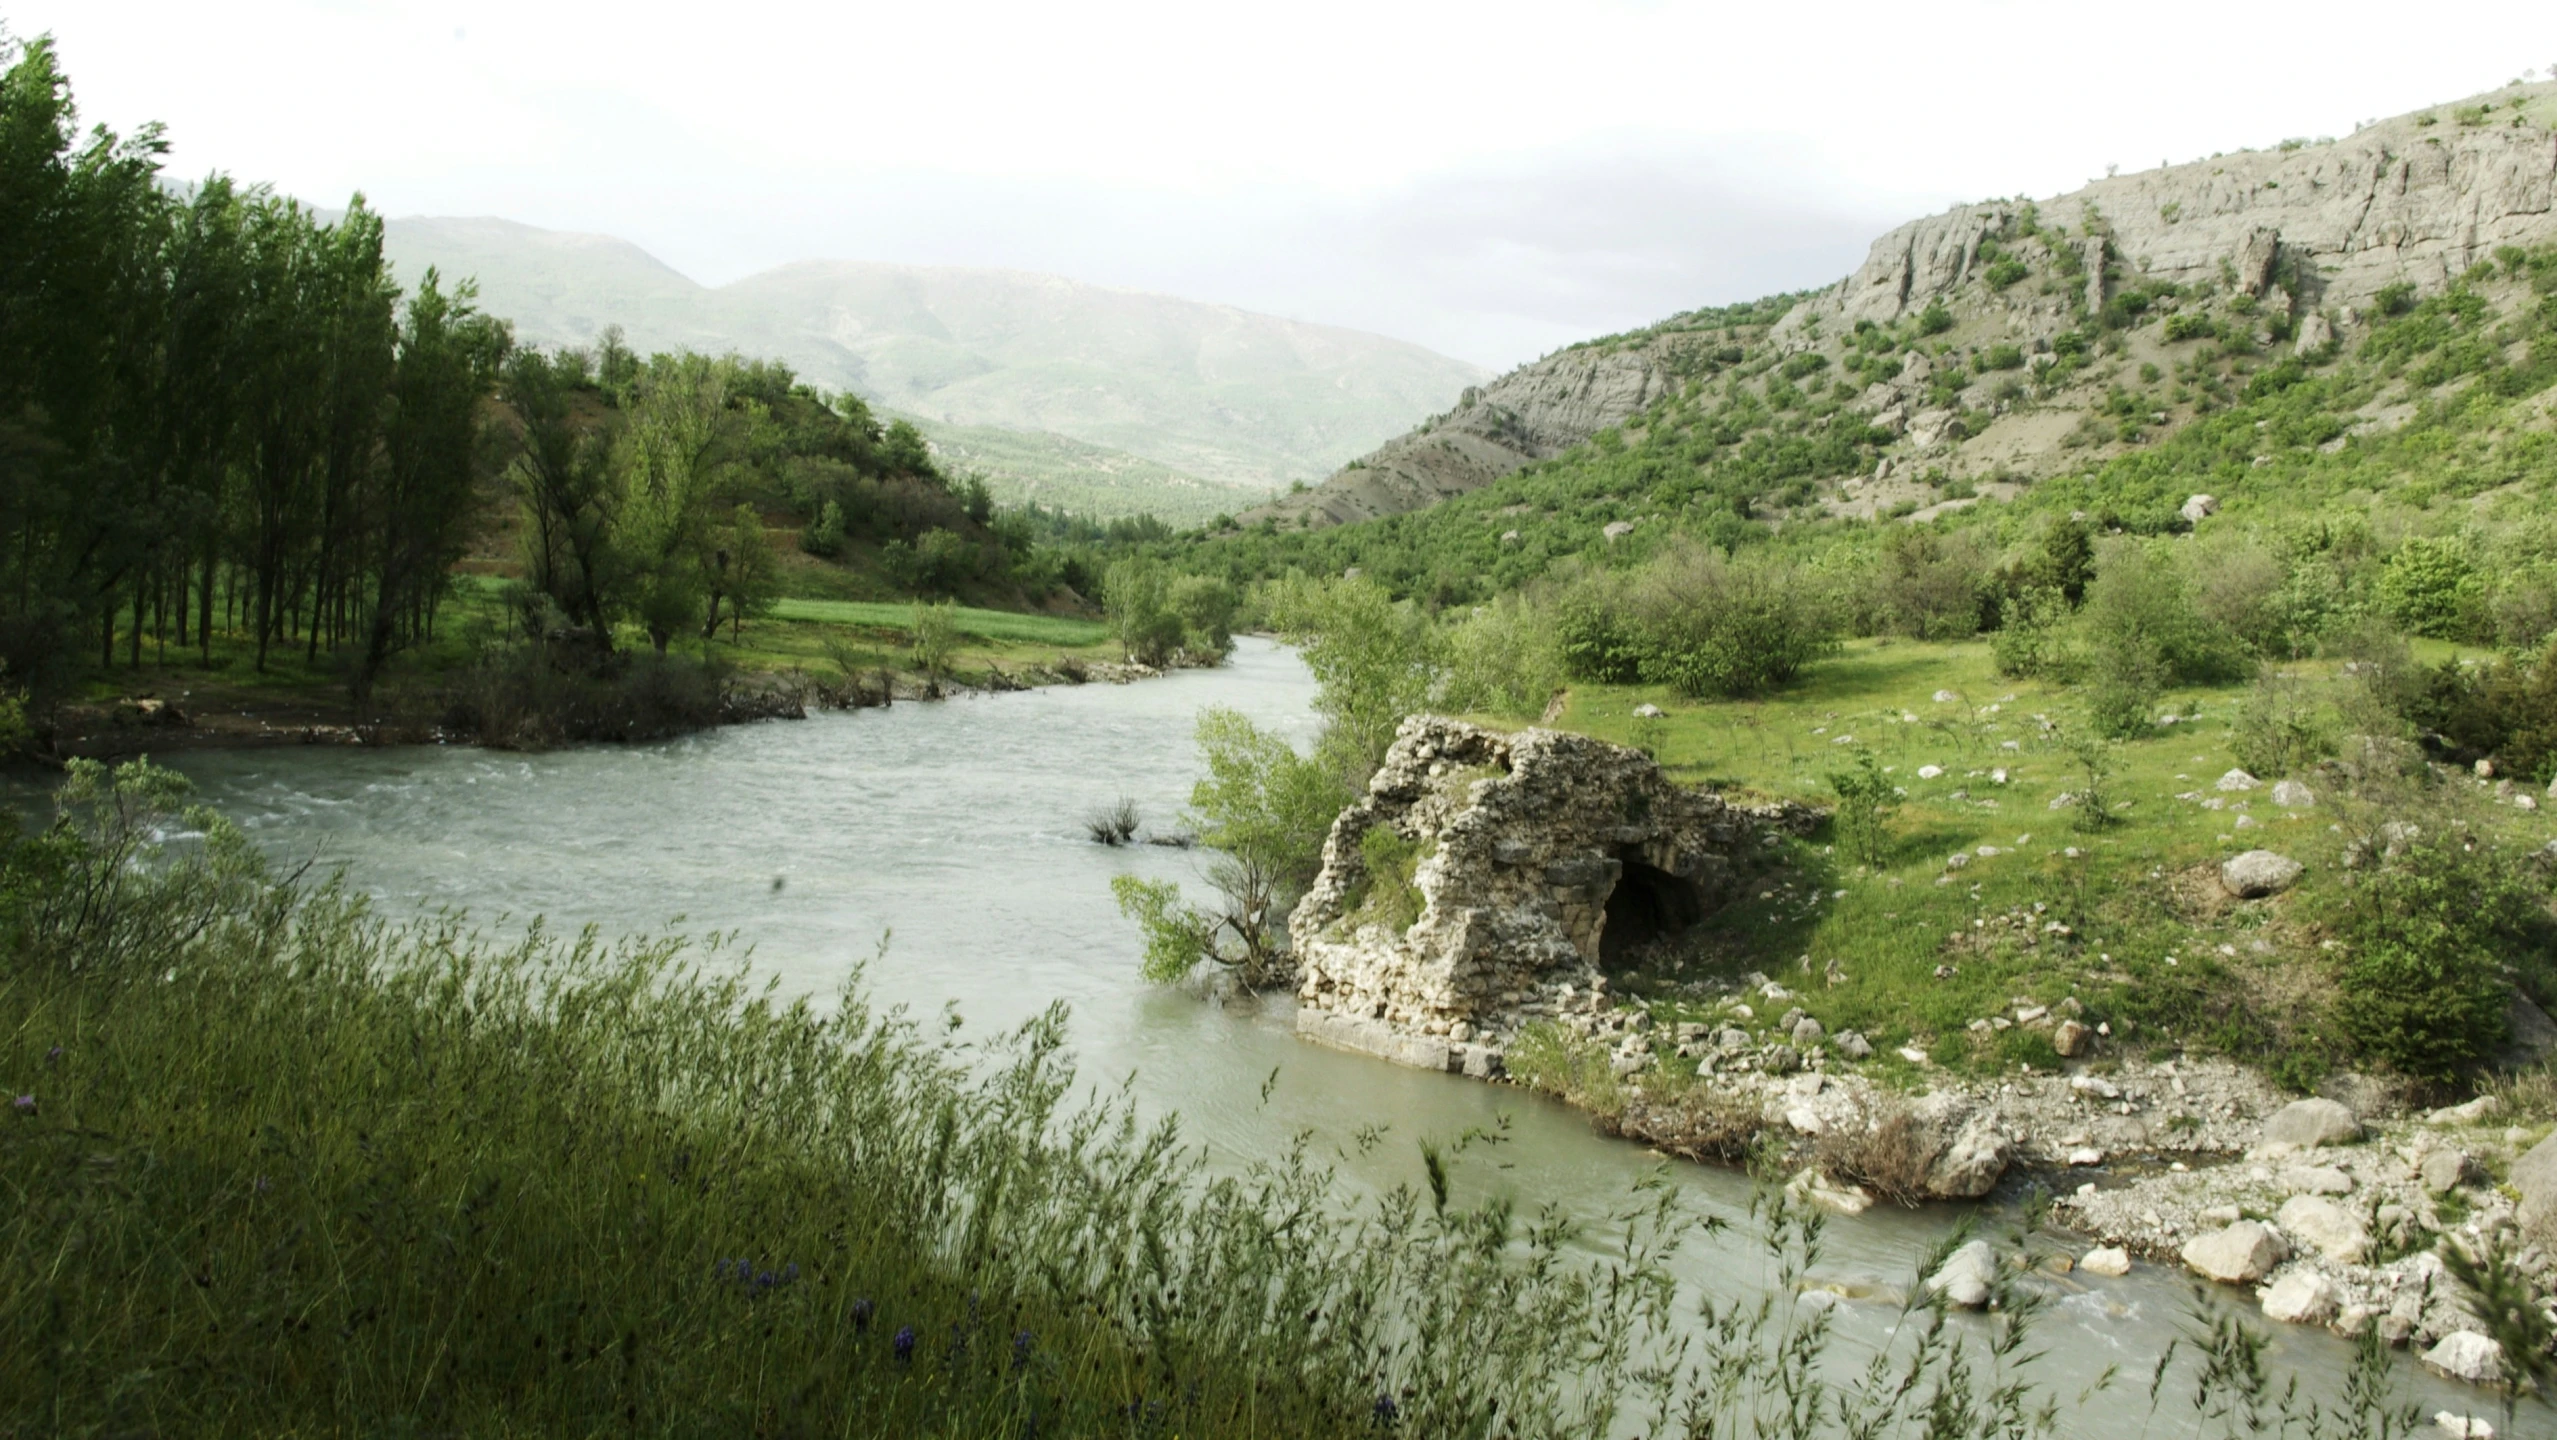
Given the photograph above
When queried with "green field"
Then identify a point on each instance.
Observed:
(1003, 625)
(1911, 952)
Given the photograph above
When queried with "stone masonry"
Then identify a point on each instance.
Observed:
(1545, 859)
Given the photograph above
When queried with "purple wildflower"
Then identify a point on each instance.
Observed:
(904, 1344)
(861, 1312)
(25, 1104)
(1386, 1410)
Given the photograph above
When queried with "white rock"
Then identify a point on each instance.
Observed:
(2259, 873)
(2240, 1254)
(2238, 780)
(2467, 1355)
(2308, 1124)
(2442, 1171)
(2472, 1112)
(1828, 1194)
(2068, 1037)
(2316, 1180)
(1930, 772)
(2199, 507)
(2092, 1085)
(2292, 795)
(1998, 777)
(2461, 1427)
(2106, 1260)
(1946, 697)
(1966, 1275)
(2303, 1297)
(1957, 859)
(2086, 1155)
(1648, 711)
(2335, 1231)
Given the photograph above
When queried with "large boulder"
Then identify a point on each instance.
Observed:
(2308, 1124)
(2467, 1355)
(1974, 1157)
(2302, 1297)
(2259, 873)
(1966, 1276)
(2106, 1260)
(2329, 1228)
(2534, 1175)
(2240, 1254)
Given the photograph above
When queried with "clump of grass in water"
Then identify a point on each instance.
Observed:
(286, 1166)
(1112, 824)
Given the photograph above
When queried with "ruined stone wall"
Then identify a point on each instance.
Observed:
(1528, 842)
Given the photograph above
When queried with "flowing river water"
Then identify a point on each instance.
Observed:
(956, 828)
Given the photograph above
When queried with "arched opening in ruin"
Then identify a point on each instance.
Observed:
(1648, 904)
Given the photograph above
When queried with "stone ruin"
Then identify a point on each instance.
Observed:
(1545, 860)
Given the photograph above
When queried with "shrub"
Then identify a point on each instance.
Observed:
(1935, 319)
(2280, 729)
(2123, 690)
(1866, 798)
(2423, 986)
(2189, 325)
(1137, 598)
(2002, 357)
(1714, 627)
(824, 535)
(2033, 639)
(1929, 585)
(1797, 366)
(2432, 589)
(934, 639)
(2006, 271)
(2140, 604)
(1503, 658)
(1596, 641)
(1385, 894)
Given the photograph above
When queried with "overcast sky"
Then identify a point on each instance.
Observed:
(1488, 178)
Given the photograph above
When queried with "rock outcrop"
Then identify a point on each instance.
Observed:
(2406, 200)
(1541, 859)
(2308, 235)
(1532, 413)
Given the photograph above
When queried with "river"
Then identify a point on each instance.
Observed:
(955, 830)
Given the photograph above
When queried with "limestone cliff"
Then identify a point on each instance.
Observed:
(1542, 859)
(2308, 234)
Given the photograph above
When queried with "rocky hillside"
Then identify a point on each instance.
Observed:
(2303, 246)
(1134, 401)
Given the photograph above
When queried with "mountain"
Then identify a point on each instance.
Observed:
(1121, 400)
(2299, 245)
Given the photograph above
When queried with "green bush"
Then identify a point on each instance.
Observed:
(2431, 587)
(1866, 798)
(2280, 728)
(1935, 319)
(2190, 325)
(2002, 357)
(1502, 658)
(2141, 610)
(1711, 627)
(2425, 925)
(2006, 271)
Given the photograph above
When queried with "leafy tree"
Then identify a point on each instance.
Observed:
(2431, 588)
(745, 575)
(1866, 799)
(565, 484)
(672, 465)
(1265, 810)
(1375, 659)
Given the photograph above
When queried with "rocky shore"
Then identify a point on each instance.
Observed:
(1529, 851)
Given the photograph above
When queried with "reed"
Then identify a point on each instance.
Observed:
(281, 1166)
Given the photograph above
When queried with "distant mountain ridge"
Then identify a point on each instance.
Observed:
(2310, 233)
(1229, 403)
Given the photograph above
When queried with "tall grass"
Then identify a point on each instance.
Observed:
(281, 1166)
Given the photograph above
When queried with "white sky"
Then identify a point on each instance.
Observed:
(1490, 178)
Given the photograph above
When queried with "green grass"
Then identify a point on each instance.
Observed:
(282, 1168)
(2246, 979)
(1003, 625)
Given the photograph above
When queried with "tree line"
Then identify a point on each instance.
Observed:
(224, 423)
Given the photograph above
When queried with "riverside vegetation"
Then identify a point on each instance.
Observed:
(278, 1164)
(247, 470)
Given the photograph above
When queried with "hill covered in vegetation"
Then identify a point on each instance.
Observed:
(1113, 401)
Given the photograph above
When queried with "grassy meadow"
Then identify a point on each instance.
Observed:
(2125, 918)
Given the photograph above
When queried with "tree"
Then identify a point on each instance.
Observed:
(1266, 810)
(671, 466)
(1375, 658)
(563, 477)
(744, 573)
(449, 356)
